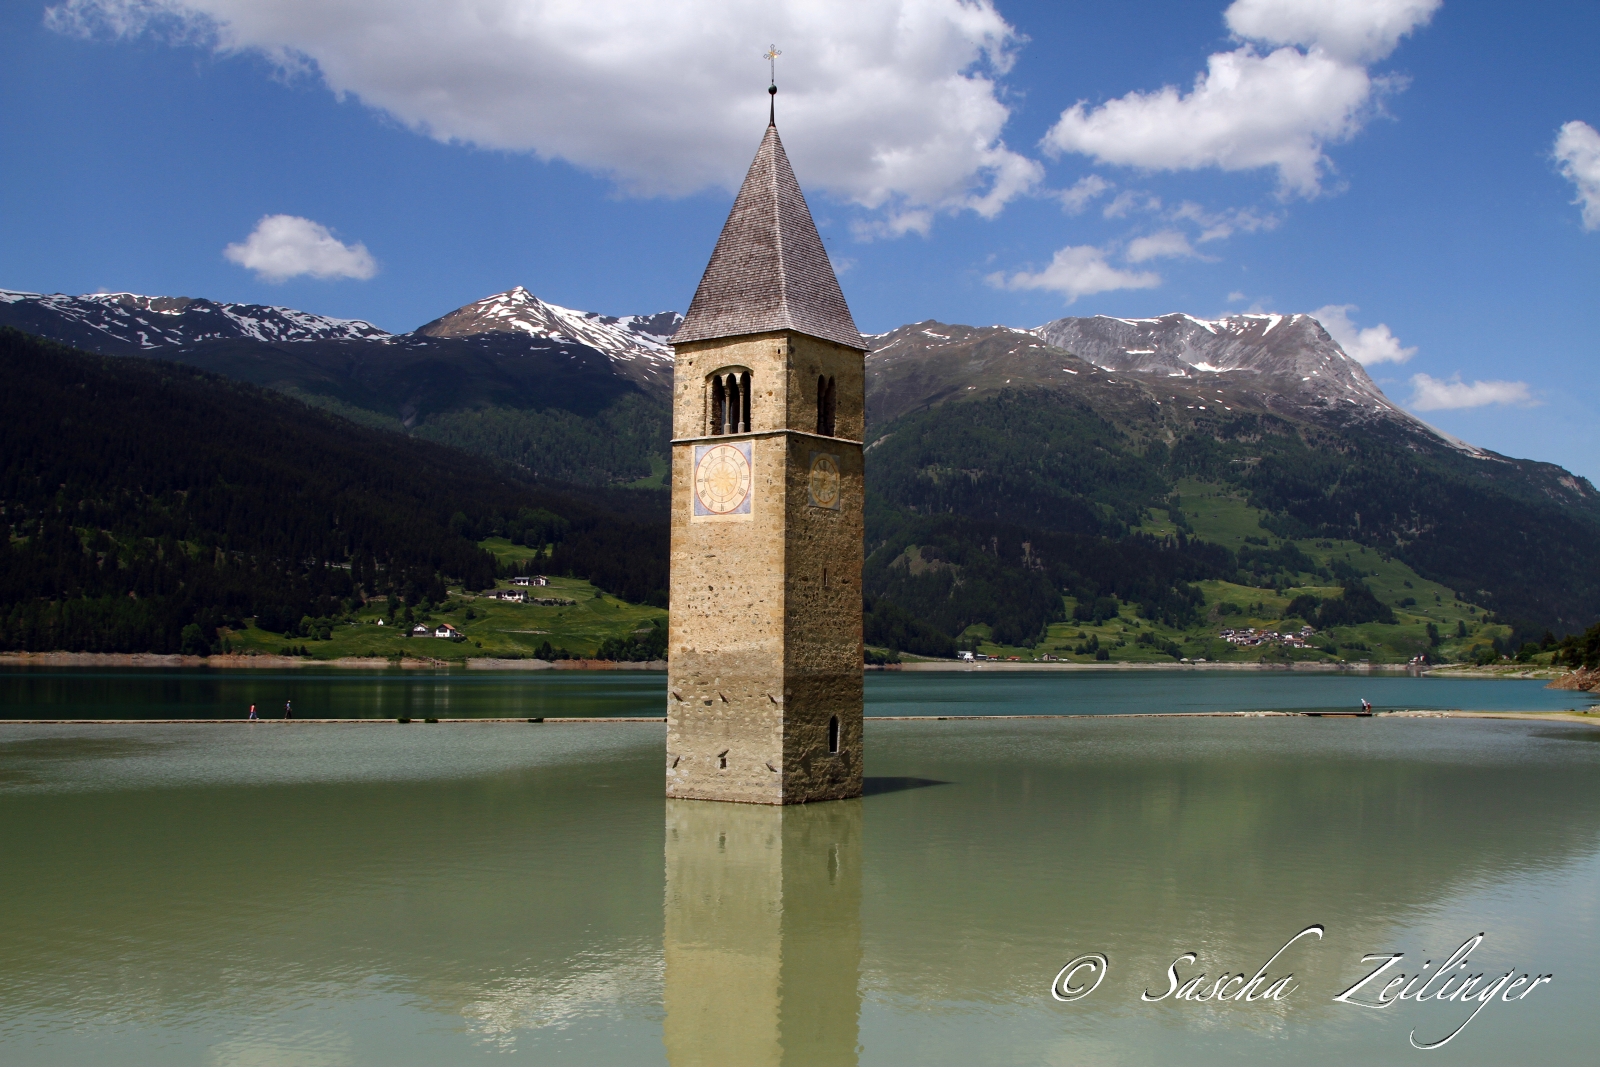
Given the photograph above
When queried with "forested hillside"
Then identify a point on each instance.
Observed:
(564, 395)
(1000, 470)
(149, 503)
(1017, 494)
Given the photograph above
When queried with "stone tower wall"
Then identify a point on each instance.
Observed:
(764, 639)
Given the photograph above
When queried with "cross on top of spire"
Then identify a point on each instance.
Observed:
(771, 56)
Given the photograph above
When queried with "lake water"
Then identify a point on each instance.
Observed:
(55, 693)
(366, 894)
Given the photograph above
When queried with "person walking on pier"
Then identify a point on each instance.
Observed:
(252, 713)
(288, 709)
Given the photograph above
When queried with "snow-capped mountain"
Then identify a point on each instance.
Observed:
(119, 320)
(503, 326)
(1181, 346)
(630, 337)
(1292, 356)
(1284, 364)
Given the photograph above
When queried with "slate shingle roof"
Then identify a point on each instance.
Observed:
(769, 270)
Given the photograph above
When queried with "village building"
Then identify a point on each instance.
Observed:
(1252, 638)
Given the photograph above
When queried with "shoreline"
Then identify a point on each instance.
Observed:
(155, 660)
(364, 663)
(1004, 665)
(1590, 717)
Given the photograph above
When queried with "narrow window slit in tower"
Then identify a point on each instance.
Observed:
(722, 760)
(833, 734)
(827, 405)
(730, 410)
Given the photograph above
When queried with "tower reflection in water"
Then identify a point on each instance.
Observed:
(763, 933)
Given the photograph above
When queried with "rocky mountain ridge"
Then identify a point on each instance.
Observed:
(1285, 363)
(519, 311)
(117, 321)
(636, 346)
(1290, 354)
(1170, 375)
(980, 432)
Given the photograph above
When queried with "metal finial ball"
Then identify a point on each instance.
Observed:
(773, 90)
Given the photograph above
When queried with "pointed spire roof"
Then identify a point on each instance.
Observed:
(769, 270)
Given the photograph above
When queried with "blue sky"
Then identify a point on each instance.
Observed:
(1415, 167)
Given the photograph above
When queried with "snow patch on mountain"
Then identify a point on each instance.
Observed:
(1291, 355)
(624, 339)
(158, 321)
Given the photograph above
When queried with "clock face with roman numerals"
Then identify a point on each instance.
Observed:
(823, 481)
(722, 480)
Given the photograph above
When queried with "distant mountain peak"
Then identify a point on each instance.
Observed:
(625, 338)
(1291, 355)
(96, 320)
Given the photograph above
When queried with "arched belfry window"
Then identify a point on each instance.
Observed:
(827, 404)
(729, 402)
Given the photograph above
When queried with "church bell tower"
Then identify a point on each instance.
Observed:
(764, 679)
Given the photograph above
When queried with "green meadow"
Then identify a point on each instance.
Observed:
(491, 628)
(497, 628)
(1216, 513)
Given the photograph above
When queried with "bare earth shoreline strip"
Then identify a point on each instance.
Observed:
(365, 663)
(1590, 717)
(160, 661)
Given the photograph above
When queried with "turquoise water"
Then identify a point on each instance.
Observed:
(35, 693)
(344, 895)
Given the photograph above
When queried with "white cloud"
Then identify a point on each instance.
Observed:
(1215, 225)
(1577, 149)
(1251, 110)
(1075, 199)
(1359, 31)
(1129, 201)
(890, 104)
(1167, 244)
(286, 246)
(1235, 296)
(1079, 270)
(1434, 394)
(1369, 346)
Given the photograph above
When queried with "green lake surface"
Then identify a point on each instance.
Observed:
(350, 894)
(202, 693)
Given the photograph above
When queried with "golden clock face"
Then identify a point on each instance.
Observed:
(824, 480)
(722, 479)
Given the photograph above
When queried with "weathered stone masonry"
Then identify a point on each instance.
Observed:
(764, 680)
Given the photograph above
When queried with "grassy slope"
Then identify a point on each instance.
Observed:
(1219, 514)
(500, 628)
